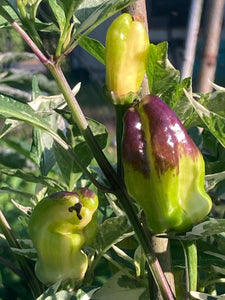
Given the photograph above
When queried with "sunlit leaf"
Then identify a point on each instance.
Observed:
(203, 296)
(94, 47)
(164, 81)
(214, 121)
(204, 229)
(93, 12)
(10, 108)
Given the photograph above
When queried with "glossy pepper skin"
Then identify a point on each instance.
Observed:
(126, 54)
(163, 168)
(59, 226)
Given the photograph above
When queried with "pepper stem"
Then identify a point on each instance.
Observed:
(115, 182)
(190, 254)
(120, 111)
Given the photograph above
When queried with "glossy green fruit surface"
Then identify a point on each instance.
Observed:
(60, 225)
(163, 168)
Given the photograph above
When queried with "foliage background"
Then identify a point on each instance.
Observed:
(16, 150)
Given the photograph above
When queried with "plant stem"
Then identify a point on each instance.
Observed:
(115, 182)
(120, 111)
(190, 254)
(34, 284)
(138, 11)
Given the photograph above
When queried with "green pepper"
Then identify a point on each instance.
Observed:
(126, 54)
(59, 226)
(163, 168)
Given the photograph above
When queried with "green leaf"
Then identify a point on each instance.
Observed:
(214, 122)
(162, 76)
(215, 102)
(58, 13)
(36, 92)
(179, 101)
(71, 133)
(211, 180)
(204, 229)
(30, 177)
(110, 232)
(139, 261)
(120, 287)
(28, 253)
(42, 151)
(11, 159)
(51, 294)
(216, 255)
(203, 296)
(164, 81)
(94, 47)
(93, 12)
(81, 295)
(21, 147)
(10, 190)
(69, 170)
(10, 7)
(10, 108)
(70, 7)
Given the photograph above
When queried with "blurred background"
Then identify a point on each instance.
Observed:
(195, 33)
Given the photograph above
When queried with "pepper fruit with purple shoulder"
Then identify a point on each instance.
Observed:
(163, 168)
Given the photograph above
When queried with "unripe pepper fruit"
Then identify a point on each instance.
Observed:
(59, 226)
(126, 55)
(163, 168)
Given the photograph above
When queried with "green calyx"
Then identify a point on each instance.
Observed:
(163, 168)
(63, 222)
(126, 55)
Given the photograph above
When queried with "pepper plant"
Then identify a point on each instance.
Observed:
(89, 222)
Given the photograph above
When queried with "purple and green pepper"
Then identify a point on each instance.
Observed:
(163, 168)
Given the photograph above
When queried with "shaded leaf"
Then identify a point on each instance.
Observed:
(30, 177)
(211, 180)
(10, 190)
(42, 151)
(28, 253)
(120, 287)
(72, 135)
(111, 232)
(69, 170)
(25, 209)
